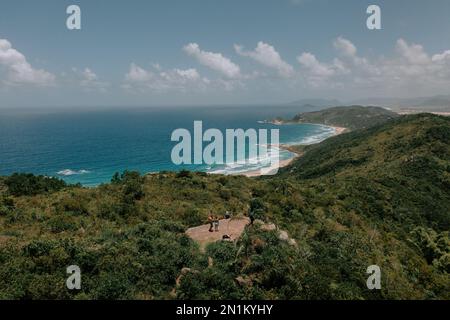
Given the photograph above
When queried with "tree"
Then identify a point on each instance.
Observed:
(27, 184)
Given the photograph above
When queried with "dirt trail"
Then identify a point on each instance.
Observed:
(232, 227)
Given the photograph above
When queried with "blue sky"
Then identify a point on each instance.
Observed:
(220, 52)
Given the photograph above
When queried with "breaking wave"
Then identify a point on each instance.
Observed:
(69, 172)
(251, 165)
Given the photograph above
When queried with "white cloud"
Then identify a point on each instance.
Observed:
(310, 62)
(441, 57)
(19, 71)
(413, 53)
(348, 68)
(160, 80)
(414, 66)
(267, 55)
(350, 59)
(214, 61)
(315, 72)
(345, 47)
(137, 74)
(90, 81)
(410, 69)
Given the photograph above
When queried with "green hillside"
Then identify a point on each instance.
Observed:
(375, 196)
(409, 155)
(351, 117)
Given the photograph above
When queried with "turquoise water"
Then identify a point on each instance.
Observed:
(89, 146)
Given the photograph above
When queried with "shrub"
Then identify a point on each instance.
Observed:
(192, 217)
(23, 184)
(184, 174)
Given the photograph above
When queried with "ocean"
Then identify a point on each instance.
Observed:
(88, 146)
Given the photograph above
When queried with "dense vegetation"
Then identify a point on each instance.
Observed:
(21, 184)
(376, 196)
(353, 117)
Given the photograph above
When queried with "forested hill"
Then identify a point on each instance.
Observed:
(373, 196)
(385, 189)
(398, 171)
(351, 117)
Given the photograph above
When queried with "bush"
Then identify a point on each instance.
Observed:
(192, 217)
(6, 206)
(73, 204)
(60, 223)
(184, 174)
(23, 184)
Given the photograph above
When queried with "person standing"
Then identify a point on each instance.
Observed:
(216, 224)
(211, 222)
(252, 217)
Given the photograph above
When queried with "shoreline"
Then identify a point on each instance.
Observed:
(413, 111)
(339, 130)
(286, 162)
(281, 163)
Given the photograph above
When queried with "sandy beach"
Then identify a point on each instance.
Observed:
(273, 169)
(286, 162)
(339, 130)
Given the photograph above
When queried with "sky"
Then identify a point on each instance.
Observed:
(189, 52)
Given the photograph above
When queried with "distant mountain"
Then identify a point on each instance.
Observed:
(438, 103)
(352, 117)
(430, 104)
(316, 103)
(378, 102)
